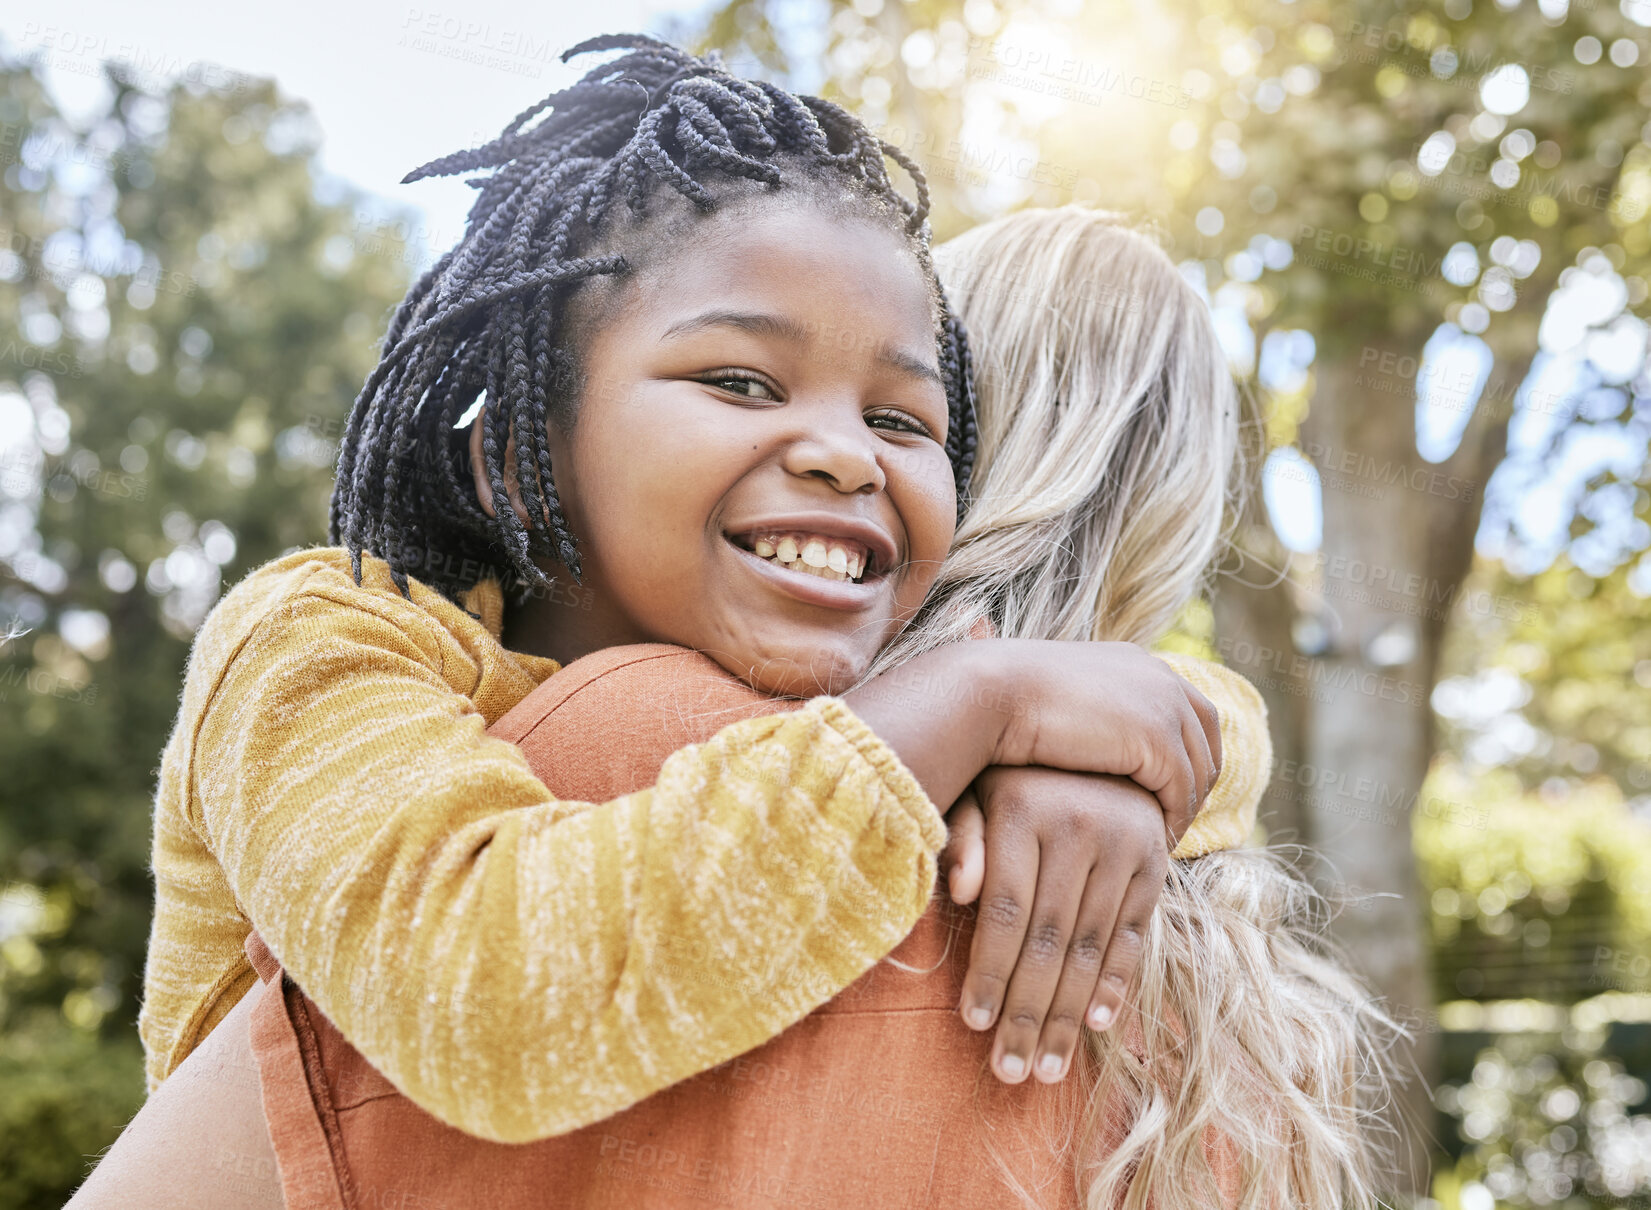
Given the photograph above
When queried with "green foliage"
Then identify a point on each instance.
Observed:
(186, 312)
(66, 1095)
(1548, 1124)
(1533, 894)
(1568, 656)
(1539, 812)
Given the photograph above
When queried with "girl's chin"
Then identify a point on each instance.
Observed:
(823, 670)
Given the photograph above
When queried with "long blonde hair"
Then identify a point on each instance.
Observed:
(1108, 425)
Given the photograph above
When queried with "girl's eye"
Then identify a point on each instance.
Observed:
(901, 422)
(747, 386)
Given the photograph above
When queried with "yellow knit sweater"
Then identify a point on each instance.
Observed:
(510, 961)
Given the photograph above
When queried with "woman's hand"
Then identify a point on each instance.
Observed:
(1068, 868)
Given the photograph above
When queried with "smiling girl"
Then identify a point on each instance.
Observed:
(330, 782)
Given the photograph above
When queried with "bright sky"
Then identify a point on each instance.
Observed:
(393, 83)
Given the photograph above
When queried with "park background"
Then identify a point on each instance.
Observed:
(1423, 228)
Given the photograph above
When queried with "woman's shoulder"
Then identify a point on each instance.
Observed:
(652, 661)
(607, 721)
(633, 685)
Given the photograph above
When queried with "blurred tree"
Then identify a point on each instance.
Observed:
(1533, 894)
(186, 311)
(1545, 714)
(1547, 1124)
(1393, 208)
(1552, 678)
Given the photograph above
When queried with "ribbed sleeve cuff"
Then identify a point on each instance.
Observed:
(1228, 816)
(890, 768)
(1212, 834)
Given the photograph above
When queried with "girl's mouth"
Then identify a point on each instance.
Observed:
(804, 553)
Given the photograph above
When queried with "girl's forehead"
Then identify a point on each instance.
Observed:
(800, 252)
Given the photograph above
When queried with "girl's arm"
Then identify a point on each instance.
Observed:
(605, 724)
(440, 906)
(1100, 873)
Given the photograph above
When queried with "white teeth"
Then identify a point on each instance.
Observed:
(825, 573)
(828, 558)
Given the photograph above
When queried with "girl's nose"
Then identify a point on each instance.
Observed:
(842, 450)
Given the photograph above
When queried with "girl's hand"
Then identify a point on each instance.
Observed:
(1068, 868)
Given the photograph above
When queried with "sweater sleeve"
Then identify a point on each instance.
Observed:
(440, 906)
(1228, 815)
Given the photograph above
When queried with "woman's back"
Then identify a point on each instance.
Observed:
(880, 1097)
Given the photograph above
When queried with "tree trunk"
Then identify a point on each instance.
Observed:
(1370, 732)
(1253, 614)
(1352, 725)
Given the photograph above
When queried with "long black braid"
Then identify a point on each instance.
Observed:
(488, 316)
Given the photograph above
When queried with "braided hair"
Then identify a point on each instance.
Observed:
(489, 319)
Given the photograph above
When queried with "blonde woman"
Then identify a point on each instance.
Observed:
(1107, 430)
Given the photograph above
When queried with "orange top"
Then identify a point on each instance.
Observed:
(880, 1097)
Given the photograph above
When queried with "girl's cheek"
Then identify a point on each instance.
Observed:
(916, 590)
(927, 502)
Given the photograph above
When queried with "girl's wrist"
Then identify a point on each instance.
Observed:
(944, 712)
(1006, 695)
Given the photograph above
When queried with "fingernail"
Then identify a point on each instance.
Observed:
(1013, 1066)
(980, 1018)
(1100, 1017)
(1050, 1065)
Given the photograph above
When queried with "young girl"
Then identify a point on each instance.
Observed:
(329, 781)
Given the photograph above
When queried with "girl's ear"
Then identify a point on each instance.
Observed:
(478, 470)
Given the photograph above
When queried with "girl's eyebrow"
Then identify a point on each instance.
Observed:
(782, 327)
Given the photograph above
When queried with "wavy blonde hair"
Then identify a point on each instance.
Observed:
(1108, 425)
